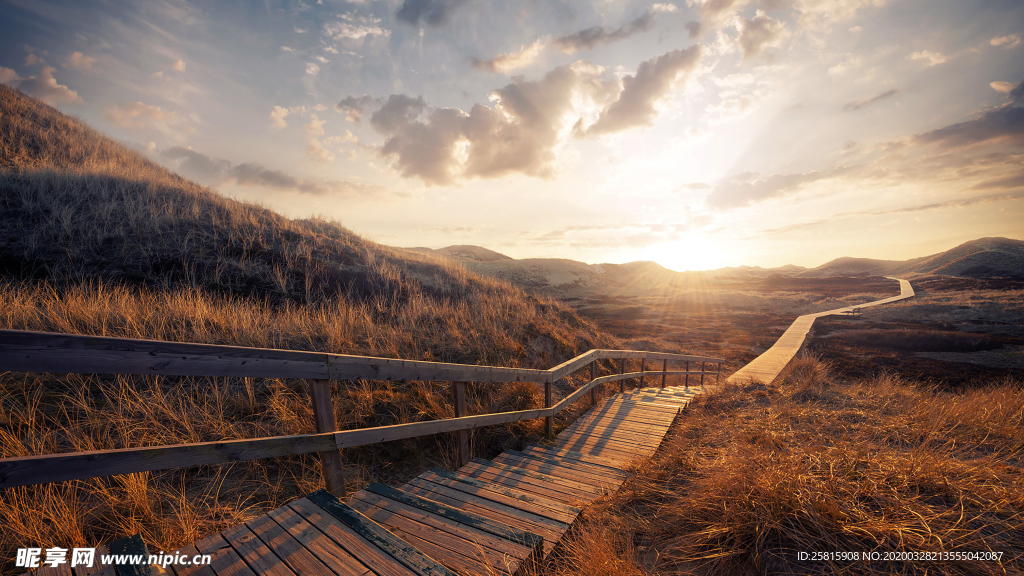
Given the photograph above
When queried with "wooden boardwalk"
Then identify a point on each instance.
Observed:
(767, 366)
(488, 517)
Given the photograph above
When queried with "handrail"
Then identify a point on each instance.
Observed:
(26, 351)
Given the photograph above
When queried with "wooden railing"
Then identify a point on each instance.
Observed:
(24, 351)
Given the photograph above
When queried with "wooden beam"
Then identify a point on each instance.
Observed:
(622, 370)
(593, 376)
(462, 436)
(29, 351)
(549, 421)
(323, 414)
(643, 361)
(664, 372)
(687, 368)
(702, 374)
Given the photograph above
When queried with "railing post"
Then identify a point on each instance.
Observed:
(702, 374)
(687, 374)
(462, 436)
(549, 421)
(593, 376)
(323, 414)
(622, 370)
(664, 372)
(643, 361)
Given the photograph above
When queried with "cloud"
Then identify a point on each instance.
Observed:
(929, 58)
(528, 121)
(218, 172)
(1003, 123)
(653, 79)
(510, 61)
(1009, 41)
(858, 104)
(759, 33)
(527, 126)
(1004, 87)
(277, 116)
(429, 12)
(80, 61)
(743, 191)
(178, 66)
(44, 86)
(9, 76)
(693, 28)
(316, 152)
(315, 126)
(355, 106)
(664, 8)
(588, 38)
(353, 27)
(312, 69)
(140, 116)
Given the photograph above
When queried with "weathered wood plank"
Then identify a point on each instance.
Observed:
(551, 452)
(495, 547)
(378, 536)
(255, 553)
(591, 467)
(500, 502)
(525, 484)
(534, 503)
(487, 509)
(452, 552)
(323, 416)
(100, 569)
(357, 546)
(318, 544)
(224, 560)
(577, 485)
(560, 470)
(522, 537)
(287, 548)
(190, 569)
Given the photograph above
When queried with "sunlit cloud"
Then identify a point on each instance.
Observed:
(1008, 41)
(928, 58)
(80, 61)
(510, 61)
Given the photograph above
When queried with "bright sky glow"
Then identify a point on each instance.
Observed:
(698, 134)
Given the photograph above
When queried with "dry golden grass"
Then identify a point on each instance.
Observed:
(754, 474)
(95, 239)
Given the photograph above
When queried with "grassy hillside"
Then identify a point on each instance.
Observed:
(752, 475)
(96, 239)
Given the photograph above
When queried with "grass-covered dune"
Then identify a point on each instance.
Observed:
(96, 239)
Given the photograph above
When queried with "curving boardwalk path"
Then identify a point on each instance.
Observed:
(767, 366)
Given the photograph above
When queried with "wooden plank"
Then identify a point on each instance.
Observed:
(130, 546)
(525, 538)
(487, 509)
(462, 534)
(256, 554)
(455, 553)
(566, 461)
(357, 546)
(591, 444)
(526, 484)
(558, 471)
(323, 416)
(191, 552)
(631, 435)
(551, 452)
(287, 548)
(317, 543)
(577, 485)
(47, 570)
(526, 510)
(599, 476)
(527, 501)
(378, 536)
(620, 462)
(224, 560)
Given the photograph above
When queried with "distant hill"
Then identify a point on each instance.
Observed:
(465, 253)
(984, 257)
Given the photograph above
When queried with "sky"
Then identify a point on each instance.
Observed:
(695, 133)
